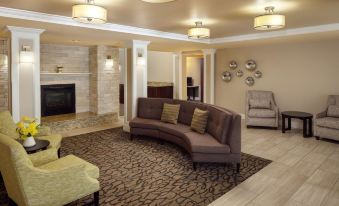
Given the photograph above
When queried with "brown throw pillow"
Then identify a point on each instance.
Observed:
(170, 113)
(199, 121)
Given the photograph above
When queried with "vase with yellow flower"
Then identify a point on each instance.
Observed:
(27, 129)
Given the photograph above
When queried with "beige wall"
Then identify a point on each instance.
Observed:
(301, 75)
(160, 66)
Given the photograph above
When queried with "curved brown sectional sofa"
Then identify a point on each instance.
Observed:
(220, 144)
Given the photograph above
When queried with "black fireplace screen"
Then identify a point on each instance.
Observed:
(57, 99)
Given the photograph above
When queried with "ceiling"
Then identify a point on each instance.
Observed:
(224, 17)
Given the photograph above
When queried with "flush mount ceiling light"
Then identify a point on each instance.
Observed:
(157, 1)
(269, 21)
(198, 32)
(89, 13)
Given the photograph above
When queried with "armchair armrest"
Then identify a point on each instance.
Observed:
(59, 186)
(44, 131)
(322, 114)
(43, 157)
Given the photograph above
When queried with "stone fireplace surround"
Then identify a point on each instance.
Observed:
(96, 86)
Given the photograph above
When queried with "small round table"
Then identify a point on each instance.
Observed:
(305, 117)
(40, 145)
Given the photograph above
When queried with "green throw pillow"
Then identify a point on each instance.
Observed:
(170, 113)
(199, 121)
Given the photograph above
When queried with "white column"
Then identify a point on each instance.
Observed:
(177, 75)
(25, 77)
(138, 77)
(209, 75)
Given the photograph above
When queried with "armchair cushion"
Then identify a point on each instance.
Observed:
(7, 125)
(261, 113)
(260, 103)
(328, 122)
(65, 162)
(43, 157)
(333, 111)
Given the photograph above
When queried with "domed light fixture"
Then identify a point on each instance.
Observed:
(198, 32)
(269, 21)
(89, 13)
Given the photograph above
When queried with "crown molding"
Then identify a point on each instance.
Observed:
(24, 29)
(276, 34)
(68, 21)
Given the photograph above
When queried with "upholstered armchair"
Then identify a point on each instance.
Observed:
(327, 122)
(8, 127)
(261, 109)
(33, 182)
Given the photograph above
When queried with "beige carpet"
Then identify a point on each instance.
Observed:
(145, 172)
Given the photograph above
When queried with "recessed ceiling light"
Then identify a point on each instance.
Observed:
(157, 1)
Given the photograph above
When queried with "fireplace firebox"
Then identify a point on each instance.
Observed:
(57, 99)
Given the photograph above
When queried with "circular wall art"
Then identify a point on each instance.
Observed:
(249, 81)
(240, 73)
(258, 74)
(226, 76)
(233, 65)
(251, 65)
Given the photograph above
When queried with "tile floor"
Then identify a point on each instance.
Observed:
(304, 172)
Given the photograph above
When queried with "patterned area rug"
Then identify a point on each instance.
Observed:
(145, 172)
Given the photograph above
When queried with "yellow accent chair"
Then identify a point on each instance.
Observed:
(40, 179)
(8, 127)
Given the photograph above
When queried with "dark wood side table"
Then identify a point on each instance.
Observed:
(40, 145)
(305, 117)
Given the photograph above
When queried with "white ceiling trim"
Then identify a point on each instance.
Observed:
(275, 34)
(64, 20)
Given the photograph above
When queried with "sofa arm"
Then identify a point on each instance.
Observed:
(234, 140)
(60, 186)
(44, 131)
(321, 114)
(43, 157)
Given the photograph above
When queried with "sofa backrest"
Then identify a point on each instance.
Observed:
(260, 95)
(333, 100)
(151, 108)
(220, 121)
(14, 166)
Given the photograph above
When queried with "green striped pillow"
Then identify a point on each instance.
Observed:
(199, 121)
(170, 113)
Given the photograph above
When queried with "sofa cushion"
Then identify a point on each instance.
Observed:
(151, 108)
(260, 103)
(199, 121)
(261, 113)
(175, 129)
(219, 123)
(7, 125)
(170, 113)
(205, 143)
(187, 109)
(144, 123)
(333, 111)
(328, 122)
